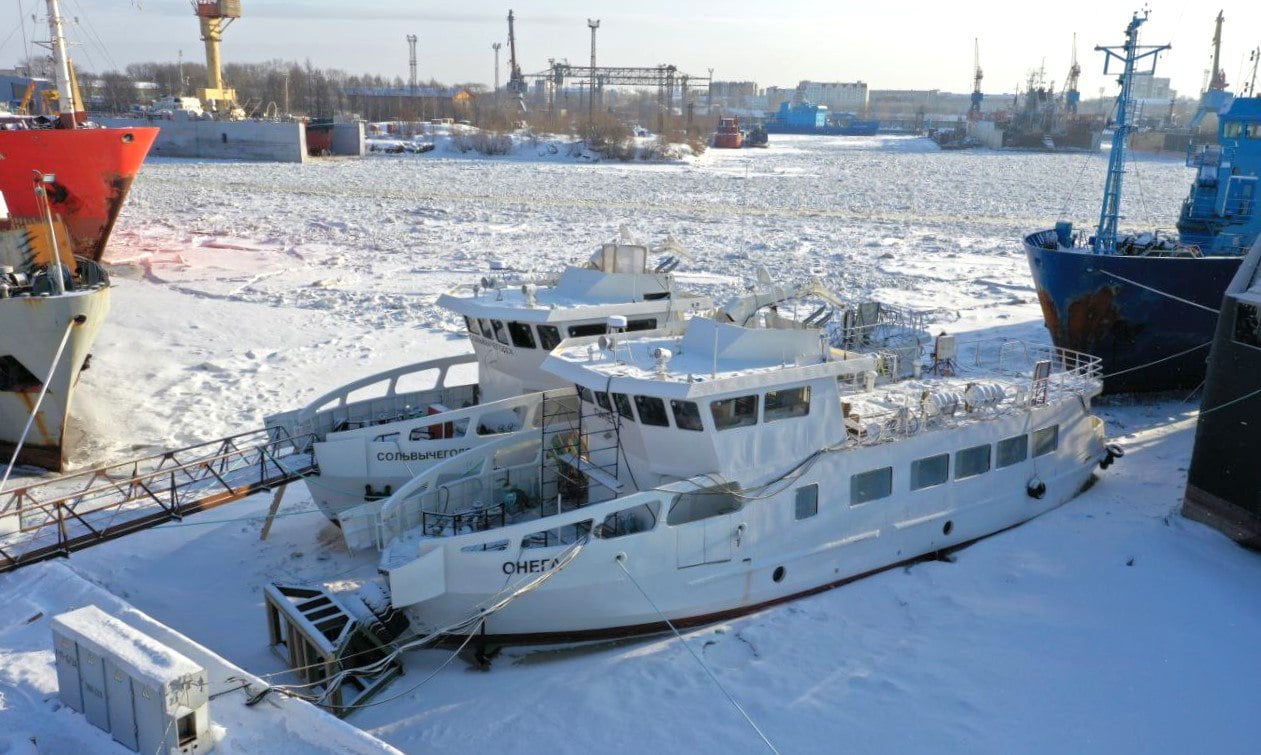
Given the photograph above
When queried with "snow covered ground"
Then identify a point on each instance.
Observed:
(1110, 624)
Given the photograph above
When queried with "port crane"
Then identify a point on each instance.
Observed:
(1218, 81)
(516, 81)
(1071, 96)
(974, 111)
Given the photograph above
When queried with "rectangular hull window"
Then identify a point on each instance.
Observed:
(931, 471)
(870, 486)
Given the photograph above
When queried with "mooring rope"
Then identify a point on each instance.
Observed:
(1188, 302)
(698, 659)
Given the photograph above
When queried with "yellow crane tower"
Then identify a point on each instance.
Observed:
(215, 16)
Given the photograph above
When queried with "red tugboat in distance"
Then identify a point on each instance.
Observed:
(729, 135)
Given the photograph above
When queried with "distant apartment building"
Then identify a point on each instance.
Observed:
(776, 95)
(1149, 87)
(733, 94)
(839, 96)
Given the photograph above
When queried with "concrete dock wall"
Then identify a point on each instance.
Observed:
(224, 140)
(348, 139)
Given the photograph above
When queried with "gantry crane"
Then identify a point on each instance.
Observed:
(516, 82)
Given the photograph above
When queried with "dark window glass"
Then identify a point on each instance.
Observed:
(1046, 440)
(785, 404)
(602, 399)
(703, 504)
(648, 323)
(1247, 324)
(584, 393)
(973, 461)
(687, 415)
(1012, 450)
(734, 412)
(501, 333)
(652, 411)
(931, 471)
(487, 330)
(807, 501)
(549, 337)
(471, 324)
(870, 486)
(590, 329)
(521, 334)
(623, 405)
(641, 518)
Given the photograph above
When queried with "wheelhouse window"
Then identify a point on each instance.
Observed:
(734, 412)
(973, 461)
(786, 404)
(522, 336)
(602, 400)
(1232, 130)
(870, 486)
(623, 404)
(487, 330)
(1247, 324)
(549, 337)
(471, 324)
(652, 411)
(584, 394)
(647, 323)
(807, 501)
(588, 329)
(930, 471)
(1012, 451)
(1046, 440)
(687, 415)
(501, 333)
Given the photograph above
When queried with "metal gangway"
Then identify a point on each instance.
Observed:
(58, 516)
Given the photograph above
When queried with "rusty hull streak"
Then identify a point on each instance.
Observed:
(89, 235)
(1093, 320)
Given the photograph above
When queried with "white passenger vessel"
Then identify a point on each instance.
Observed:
(421, 414)
(726, 469)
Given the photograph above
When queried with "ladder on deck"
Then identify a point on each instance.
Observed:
(56, 517)
(570, 450)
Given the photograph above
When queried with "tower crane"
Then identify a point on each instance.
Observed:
(1071, 96)
(974, 111)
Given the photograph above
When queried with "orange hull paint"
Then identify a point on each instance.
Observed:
(94, 168)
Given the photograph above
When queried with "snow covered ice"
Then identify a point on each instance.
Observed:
(1110, 624)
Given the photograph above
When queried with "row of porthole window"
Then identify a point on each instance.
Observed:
(728, 413)
(968, 462)
(522, 334)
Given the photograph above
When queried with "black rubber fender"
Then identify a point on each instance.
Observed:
(1036, 488)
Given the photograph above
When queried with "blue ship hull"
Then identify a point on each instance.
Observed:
(1088, 305)
(857, 128)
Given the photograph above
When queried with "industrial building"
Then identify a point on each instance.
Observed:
(407, 103)
(842, 96)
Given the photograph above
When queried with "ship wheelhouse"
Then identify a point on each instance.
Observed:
(1219, 214)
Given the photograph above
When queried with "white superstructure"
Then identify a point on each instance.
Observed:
(366, 449)
(728, 468)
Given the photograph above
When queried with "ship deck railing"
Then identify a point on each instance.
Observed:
(379, 399)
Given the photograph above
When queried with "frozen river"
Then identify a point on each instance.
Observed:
(1108, 625)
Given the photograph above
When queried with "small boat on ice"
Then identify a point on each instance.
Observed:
(728, 135)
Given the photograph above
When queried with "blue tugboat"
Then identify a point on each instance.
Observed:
(1144, 303)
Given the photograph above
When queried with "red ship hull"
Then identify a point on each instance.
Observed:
(94, 168)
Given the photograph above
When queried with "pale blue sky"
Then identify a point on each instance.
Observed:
(774, 42)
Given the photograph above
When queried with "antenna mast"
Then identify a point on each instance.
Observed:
(411, 64)
(66, 105)
(1129, 54)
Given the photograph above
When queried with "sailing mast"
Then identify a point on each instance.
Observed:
(1129, 54)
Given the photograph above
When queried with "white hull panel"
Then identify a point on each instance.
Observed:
(31, 328)
(745, 550)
